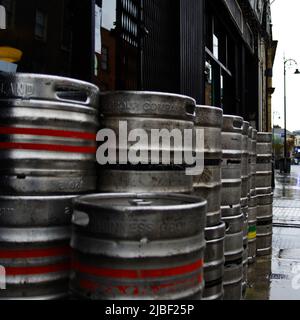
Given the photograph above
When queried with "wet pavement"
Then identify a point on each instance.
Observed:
(277, 277)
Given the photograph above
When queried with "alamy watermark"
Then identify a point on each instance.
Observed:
(152, 146)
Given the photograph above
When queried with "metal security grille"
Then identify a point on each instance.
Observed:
(130, 17)
(129, 44)
(161, 45)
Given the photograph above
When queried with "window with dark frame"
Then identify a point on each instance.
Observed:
(40, 30)
(104, 59)
(9, 6)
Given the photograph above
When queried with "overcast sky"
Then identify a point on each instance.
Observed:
(286, 29)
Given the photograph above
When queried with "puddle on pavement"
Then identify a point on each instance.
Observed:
(277, 277)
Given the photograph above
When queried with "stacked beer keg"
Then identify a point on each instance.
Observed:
(47, 156)
(252, 212)
(208, 185)
(231, 207)
(264, 194)
(246, 131)
(131, 245)
(148, 111)
(138, 247)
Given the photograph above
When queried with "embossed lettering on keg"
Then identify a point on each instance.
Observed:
(150, 244)
(34, 238)
(48, 135)
(166, 180)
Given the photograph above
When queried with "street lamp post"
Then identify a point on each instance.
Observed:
(291, 63)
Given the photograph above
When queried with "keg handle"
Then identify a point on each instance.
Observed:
(70, 91)
(237, 124)
(80, 219)
(227, 227)
(190, 110)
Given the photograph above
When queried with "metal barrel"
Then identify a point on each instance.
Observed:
(47, 135)
(208, 185)
(264, 194)
(34, 246)
(161, 164)
(234, 221)
(245, 164)
(245, 211)
(231, 162)
(214, 292)
(264, 143)
(252, 231)
(233, 277)
(245, 272)
(264, 224)
(253, 156)
(264, 207)
(264, 158)
(138, 246)
(214, 260)
(264, 237)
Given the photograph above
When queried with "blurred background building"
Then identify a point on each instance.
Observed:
(220, 52)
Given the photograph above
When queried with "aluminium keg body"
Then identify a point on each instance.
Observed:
(152, 245)
(48, 146)
(149, 112)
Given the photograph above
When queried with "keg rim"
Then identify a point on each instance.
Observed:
(38, 76)
(37, 197)
(206, 107)
(58, 105)
(143, 93)
(86, 201)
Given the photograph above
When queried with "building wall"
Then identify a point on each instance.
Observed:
(50, 53)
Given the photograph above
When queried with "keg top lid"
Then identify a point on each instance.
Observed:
(46, 87)
(208, 116)
(134, 202)
(232, 123)
(146, 103)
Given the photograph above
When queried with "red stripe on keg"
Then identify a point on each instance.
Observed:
(137, 274)
(135, 289)
(49, 133)
(47, 147)
(19, 271)
(39, 253)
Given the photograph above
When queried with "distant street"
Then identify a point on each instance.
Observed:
(278, 277)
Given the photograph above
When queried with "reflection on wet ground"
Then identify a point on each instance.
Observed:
(277, 277)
